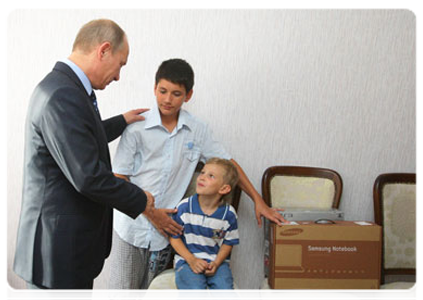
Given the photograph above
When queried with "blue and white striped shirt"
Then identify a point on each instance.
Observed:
(203, 235)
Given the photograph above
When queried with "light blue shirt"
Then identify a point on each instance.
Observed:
(81, 75)
(163, 164)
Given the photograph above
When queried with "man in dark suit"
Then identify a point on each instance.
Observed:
(69, 191)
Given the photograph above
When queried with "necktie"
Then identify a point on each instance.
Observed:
(94, 100)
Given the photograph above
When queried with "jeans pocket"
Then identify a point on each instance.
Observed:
(180, 268)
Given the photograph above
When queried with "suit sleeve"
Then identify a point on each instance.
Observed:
(70, 133)
(114, 127)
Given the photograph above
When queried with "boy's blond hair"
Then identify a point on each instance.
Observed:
(230, 176)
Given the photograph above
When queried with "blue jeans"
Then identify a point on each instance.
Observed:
(185, 278)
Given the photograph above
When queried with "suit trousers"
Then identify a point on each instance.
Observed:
(37, 292)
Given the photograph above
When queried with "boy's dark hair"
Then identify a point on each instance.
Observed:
(177, 71)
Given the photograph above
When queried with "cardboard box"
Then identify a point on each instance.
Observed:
(344, 255)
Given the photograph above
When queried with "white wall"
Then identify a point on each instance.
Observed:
(323, 88)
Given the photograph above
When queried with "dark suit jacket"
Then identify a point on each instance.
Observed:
(69, 191)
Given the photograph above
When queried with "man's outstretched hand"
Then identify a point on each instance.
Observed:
(134, 115)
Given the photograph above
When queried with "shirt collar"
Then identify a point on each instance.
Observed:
(196, 208)
(184, 119)
(154, 119)
(81, 75)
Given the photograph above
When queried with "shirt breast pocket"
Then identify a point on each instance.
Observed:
(191, 150)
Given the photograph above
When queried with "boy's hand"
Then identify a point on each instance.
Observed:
(163, 223)
(211, 269)
(134, 115)
(197, 265)
(269, 213)
(261, 208)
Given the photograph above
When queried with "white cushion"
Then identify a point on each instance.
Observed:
(303, 192)
(164, 281)
(163, 287)
(399, 225)
(399, 291)
(267, 293)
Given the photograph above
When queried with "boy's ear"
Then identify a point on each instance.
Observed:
(189, 95)
(225, 189)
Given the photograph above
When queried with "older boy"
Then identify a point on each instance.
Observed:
(210, 230)
(160, 155)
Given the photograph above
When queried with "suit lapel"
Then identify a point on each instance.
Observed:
(64, 68)
(101, 134)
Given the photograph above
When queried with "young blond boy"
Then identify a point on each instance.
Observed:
(210, 230)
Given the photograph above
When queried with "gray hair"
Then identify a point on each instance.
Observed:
(97, 32)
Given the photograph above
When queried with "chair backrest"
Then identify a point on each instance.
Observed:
(234, 196)
(394, 199)
(301, 187)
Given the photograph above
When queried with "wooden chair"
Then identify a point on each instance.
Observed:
(304, 187)
(166, 279)
(394, 198)
(301, 187)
